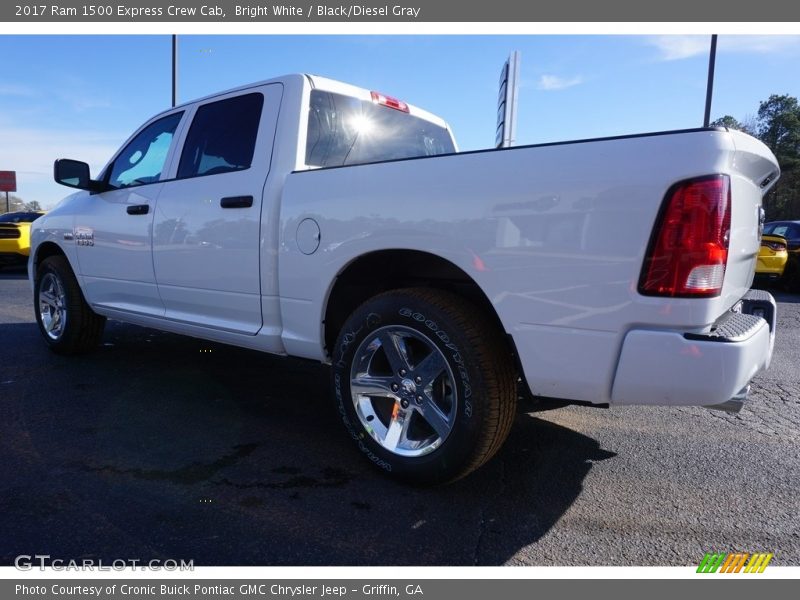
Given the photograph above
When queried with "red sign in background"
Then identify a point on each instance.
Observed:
(8, 181)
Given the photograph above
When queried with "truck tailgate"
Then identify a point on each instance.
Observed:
(753, 172)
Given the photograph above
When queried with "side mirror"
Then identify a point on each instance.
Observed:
(75, 174)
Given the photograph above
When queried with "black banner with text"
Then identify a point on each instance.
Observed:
(137, 11)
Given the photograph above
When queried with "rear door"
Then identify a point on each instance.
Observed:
(206, 233)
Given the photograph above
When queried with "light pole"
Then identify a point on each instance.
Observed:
(712, 59)
(174, 70)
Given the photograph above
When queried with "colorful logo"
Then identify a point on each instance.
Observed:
(743, 562)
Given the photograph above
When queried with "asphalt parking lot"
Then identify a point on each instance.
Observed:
(159, 446)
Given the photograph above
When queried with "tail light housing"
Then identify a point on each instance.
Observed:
(389, 102)
(774, 246)
(688, 250)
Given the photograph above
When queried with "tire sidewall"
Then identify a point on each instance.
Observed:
(405, 309)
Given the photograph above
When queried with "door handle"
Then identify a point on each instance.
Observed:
(138, 209)
(236, 202)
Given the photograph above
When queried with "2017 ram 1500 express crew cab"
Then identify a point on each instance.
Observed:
(307, 217)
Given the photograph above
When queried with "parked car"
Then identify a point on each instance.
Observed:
(308, 217)
(772, 257)
(15, 242)
(790, 231)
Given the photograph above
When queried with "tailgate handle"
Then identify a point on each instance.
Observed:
(236, 202)
(138, 209)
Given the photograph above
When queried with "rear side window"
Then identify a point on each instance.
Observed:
(343, 131)
(222, 137)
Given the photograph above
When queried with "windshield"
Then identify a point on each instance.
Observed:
(343, 130)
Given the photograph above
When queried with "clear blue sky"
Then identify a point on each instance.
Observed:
(81, 96)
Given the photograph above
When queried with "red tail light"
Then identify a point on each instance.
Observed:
(689, 247)
(390, 102)
(774, 246)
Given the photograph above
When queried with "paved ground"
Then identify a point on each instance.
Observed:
(160, 446)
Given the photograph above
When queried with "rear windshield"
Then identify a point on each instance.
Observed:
(344, 131)
(787, 230)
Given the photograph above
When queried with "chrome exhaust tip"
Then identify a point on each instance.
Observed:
(735, 404)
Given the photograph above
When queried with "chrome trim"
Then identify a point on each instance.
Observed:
(403, 391)
(52, 306)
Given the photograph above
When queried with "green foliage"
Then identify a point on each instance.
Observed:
(729, 122)
(778, 126)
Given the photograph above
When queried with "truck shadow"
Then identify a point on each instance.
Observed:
(161, 446)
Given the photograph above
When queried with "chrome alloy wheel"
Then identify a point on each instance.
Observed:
(403, 391)
(52, 305)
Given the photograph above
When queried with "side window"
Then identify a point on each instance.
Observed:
(142, 160)
(222, 137)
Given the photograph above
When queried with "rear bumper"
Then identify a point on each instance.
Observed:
(13, 258)
(771, 266)
(691, 369)
(13, 249)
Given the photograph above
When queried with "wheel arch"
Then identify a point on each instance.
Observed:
(46, 250)
(385, 270)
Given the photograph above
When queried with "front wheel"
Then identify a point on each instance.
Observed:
(66, 322)
(424, 384)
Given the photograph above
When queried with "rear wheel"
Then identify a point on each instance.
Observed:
(424, 384)
(67, 323)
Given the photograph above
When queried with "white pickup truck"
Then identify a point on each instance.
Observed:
(306, 217)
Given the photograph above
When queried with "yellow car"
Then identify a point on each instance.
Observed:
(772, 256)
(15, 236)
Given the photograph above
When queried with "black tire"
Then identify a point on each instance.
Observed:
(78, 329)
(477, 381)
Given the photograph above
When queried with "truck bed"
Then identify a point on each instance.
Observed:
(554, 234)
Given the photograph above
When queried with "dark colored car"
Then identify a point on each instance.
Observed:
(787, 229)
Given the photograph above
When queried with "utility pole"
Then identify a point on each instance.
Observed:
(712, 59)
(174, 70)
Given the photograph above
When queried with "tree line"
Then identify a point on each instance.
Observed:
(777, 124)
(16, 204)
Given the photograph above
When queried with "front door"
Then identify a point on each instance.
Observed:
(113, 232)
